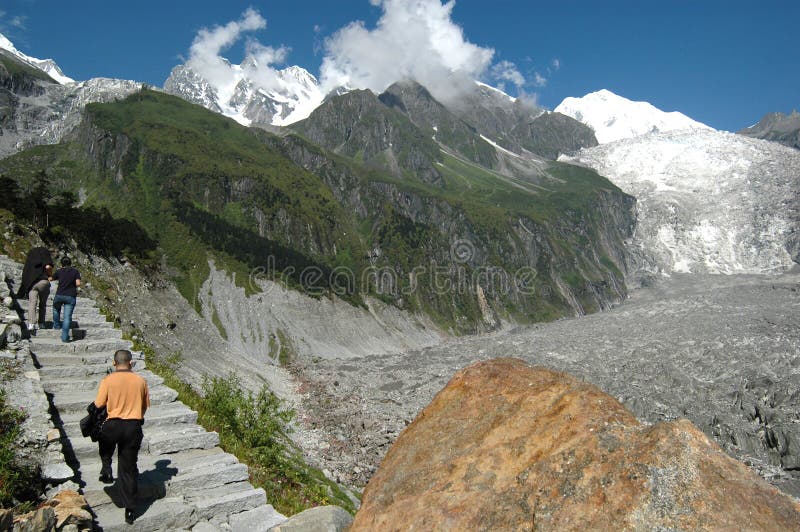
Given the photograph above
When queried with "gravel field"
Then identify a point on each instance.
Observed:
(722, 351)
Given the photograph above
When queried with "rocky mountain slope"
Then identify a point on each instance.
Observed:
(777, 127)
(488, 125)
(613, 117)
(708, 201)
(520, 250)
(36, 109)
(505, 446)
(519, 126)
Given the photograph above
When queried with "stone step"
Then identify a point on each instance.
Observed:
(76, 314)
(79, 334)
(228, 502)
(76, 370)
(83, 323)
(54, 346)
(156, 416)
(80, 301)
(168, 480)
(177, 421)
(83, 319)
(158, 440)
(89, 382)
(47, 360)
(260, 519)
(80, 310)
(179, 438)
(178, 469)
(78, 400)
(163, 514)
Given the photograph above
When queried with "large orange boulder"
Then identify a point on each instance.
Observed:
(505, 446)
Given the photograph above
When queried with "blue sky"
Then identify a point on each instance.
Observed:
(725, 63)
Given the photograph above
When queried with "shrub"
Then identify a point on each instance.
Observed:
(19, 483)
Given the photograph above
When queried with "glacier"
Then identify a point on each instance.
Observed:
(707, 201)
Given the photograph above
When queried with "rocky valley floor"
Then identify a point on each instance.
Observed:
(722, 351)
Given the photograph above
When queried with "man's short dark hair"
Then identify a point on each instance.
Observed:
(66, 261)
(123, 356)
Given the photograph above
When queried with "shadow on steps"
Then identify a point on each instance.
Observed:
(152, 487)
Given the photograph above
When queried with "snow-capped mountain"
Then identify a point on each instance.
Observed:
(43, 112)
(613, 117)
(45, 65)
(267, 98)
(708, 201)
(45, 117)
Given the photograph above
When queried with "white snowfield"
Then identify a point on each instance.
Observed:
(614, 118)
(46, 65)
(708, 201)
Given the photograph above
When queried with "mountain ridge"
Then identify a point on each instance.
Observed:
(48, 66)
(777, 127)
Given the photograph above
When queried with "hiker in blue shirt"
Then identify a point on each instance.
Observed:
(69, 279)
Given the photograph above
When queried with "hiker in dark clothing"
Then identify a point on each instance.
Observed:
(69, 279)
(35, 285)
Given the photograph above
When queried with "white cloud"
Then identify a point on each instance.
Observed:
(539, 80)
(413, 39)
(507, 71)
(205, 55)
(9, 24)
(556, 64)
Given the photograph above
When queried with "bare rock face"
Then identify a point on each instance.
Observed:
(505, 446)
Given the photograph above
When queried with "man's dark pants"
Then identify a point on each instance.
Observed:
(125, 434)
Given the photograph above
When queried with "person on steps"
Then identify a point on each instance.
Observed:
(35, 285)
(125, 396)
(69, 280)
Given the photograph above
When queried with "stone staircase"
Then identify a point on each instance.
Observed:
(186, 482)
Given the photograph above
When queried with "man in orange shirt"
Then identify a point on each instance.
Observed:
(125, 396)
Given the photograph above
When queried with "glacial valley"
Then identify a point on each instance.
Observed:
(722, 351)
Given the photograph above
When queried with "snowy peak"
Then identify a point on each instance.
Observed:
(613, 117)
(250, 93)
(47, 66)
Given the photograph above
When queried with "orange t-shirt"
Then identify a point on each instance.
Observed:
(124, 394)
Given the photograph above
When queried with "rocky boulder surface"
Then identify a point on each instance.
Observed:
(506, 446)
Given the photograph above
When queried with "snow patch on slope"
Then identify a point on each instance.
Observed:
(708, 201)
(614, 118)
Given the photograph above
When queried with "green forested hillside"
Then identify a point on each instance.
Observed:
(204, 186)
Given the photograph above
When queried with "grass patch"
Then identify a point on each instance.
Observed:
(286, 352)
(218, 323)
(255, 428)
